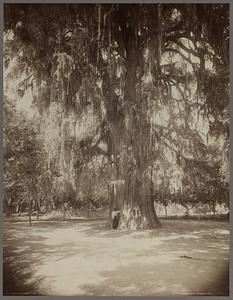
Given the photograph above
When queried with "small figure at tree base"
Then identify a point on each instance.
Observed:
(115, 218)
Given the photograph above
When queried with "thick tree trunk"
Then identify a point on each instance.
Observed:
(132, 146)
(154, 218)
(155, 223)
(136, 210)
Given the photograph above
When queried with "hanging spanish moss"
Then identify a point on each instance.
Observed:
(130, 83)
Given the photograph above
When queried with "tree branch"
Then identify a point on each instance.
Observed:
(181, 45)
(182, 55)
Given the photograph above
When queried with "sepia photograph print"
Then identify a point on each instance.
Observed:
(116, 133)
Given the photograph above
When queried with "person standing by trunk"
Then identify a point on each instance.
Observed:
(115, 218)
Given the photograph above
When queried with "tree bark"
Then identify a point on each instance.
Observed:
(38, 214)
(20, 207)
(8, 207)
(187, 211)
(165, 207)
(38, 210)
(214, 208)
(131, 143)
(30, 211)
(137, 210)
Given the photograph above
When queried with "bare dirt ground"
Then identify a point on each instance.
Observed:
(83, 258)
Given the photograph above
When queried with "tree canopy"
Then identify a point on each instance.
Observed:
(147, 83)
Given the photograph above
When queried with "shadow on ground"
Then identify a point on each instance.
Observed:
(73, 257)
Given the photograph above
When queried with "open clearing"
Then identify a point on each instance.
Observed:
(83, 258)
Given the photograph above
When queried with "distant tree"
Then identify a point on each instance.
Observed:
(23, 158)
(64, 196)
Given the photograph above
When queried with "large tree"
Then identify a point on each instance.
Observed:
(126, 67)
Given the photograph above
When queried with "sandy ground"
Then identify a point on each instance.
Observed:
(83, 258)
